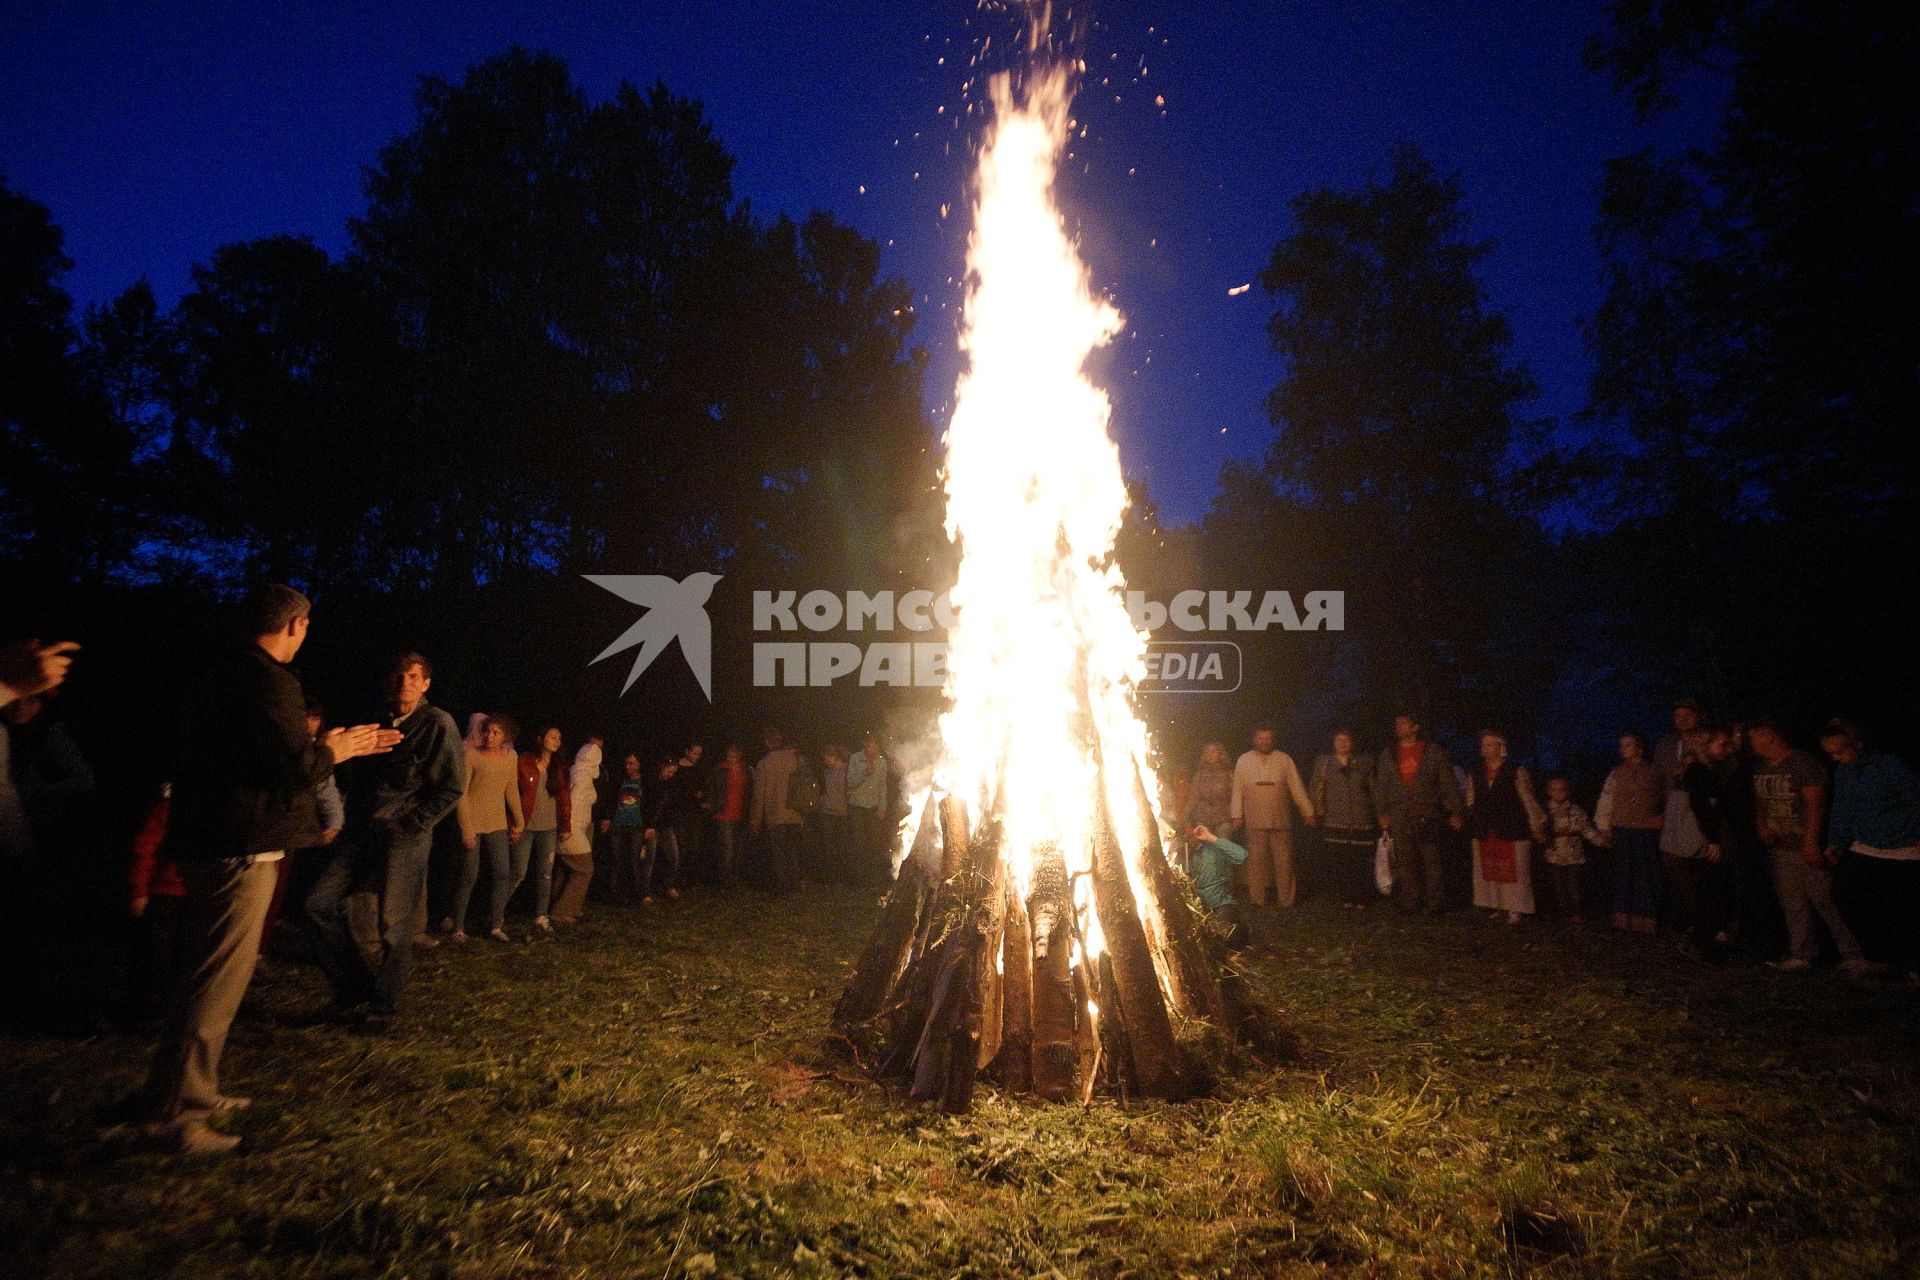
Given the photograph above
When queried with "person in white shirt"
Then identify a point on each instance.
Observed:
(1267, 792)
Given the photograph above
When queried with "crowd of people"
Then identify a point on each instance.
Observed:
(1722, 834)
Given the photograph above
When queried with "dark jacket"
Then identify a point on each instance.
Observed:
(245, 778)
(1432, 791)
(409, 789)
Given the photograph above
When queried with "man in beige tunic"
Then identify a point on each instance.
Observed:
(1266, 792)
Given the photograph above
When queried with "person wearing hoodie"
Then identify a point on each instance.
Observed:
(576, 847)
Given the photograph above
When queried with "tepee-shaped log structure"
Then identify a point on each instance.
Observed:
(965, 977)
(1036, 931)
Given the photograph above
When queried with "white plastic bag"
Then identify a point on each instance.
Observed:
(1383, 864)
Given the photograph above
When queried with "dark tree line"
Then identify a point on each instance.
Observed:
(557, 341)
(1740, 521)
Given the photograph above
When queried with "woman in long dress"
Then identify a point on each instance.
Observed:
(1506, 821)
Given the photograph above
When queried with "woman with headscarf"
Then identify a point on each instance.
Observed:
(575, 871)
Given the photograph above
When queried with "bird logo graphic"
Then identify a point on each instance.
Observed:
(674, 611)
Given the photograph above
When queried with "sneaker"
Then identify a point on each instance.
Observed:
(1618, 920)
(1514, 917)
(1861, 967)
(458, 935)
(499, 935)
(425, 941)
(543, 924)
(1790, 964)
(673, 895)
(647, 901)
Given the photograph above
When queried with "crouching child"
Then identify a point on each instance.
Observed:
(1211, 865)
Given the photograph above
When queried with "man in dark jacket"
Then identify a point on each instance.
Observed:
(242, 796)
(393, 805)
(1418, 800)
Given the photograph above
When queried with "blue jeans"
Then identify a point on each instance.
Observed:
(397, 864)
(493, 845)
(666, 855)
(534, 849)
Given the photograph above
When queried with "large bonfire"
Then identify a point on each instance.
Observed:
(1035, 929)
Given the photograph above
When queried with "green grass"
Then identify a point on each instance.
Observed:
(653, 1095)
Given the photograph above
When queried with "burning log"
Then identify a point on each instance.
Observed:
(885, 958)
(1050, 911)
(1156, 1058)
(1014, 1062)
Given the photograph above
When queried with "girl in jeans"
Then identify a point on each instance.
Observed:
(490, 821)
(544, 800)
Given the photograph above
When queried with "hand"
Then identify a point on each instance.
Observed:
(1714, 853)
(651, 833)
(1311, 820)
(513, 833)
(469, 843)
(753, 828)
(1384, 824)
(1539, 835)
(606, 825)
(1203, 834)
(1604, 839)
(1456, 821)
(138, 907)
(360, 740)
(30, 667)
(329, 835)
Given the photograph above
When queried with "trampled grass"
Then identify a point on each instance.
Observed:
(653, 1095)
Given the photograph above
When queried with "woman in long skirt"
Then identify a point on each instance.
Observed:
(1506, 821)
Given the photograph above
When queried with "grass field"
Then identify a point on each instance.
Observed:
(651, 1095)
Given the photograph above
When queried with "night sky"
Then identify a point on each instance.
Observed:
(157, 131)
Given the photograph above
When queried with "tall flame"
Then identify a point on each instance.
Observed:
(1043, 658)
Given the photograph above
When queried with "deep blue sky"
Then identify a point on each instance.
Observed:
(157, 131)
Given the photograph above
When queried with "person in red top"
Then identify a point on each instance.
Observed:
(1417, 799)
(155, 897)
(729, 810)
(547, 802)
